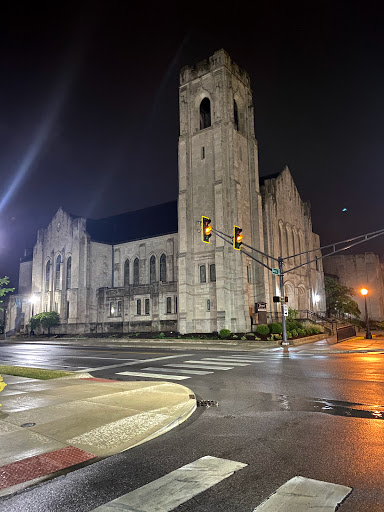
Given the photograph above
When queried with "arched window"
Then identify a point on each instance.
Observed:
(163, 268)
(235, 115)
(57, 276)
(136, 271)
(126, 273)
(205, 113)
(152, 270)
(69, 272)
(281, 247)
(47, 275)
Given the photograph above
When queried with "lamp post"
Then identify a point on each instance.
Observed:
(368, 335)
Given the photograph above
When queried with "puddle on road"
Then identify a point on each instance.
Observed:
(334, 407)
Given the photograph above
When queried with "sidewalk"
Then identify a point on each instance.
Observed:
(47, 426)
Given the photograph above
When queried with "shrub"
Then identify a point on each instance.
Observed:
(289, 335)
(301, 332)
(294, 333)
(276, 328)
(293, 324)
(262, 329)
(278, 337)
(250, 336)
(243, 338)
(224, 333)
(292, 314)
(257, 339)
(161, 335)
(315, 327)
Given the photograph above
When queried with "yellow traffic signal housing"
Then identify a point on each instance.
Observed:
(237, 237)
(207, 228)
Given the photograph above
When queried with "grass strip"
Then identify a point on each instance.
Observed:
(32, 373)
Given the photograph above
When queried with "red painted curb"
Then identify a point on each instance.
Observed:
(41, 465)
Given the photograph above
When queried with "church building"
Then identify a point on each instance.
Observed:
(149, 270)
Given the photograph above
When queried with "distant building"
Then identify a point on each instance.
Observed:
(149, 270)
(359, 271)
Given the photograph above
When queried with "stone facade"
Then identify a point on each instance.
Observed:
(105, 276)
(359, 271)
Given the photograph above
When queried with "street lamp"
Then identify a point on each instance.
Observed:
(368, 335)
(32, 300)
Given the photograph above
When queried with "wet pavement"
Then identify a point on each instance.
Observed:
(48, 426)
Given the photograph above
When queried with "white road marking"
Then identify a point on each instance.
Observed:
(302, 494)
(212, 360)
(154, 375)
(137, 361)
(171, 490)
(201, 367)
(169, 370)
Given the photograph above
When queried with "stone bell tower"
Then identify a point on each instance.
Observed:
(218, 178)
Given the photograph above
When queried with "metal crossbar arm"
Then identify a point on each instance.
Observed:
(366, 239)
(249, 255)
(375, 233)
(245, 245)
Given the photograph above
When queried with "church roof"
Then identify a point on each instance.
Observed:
(126, 227)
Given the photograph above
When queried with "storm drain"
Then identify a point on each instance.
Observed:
(207, 403)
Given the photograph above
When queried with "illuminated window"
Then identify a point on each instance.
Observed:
(152, 270)
(47, 275)
(203, 274)
(112, 309)
(205, 114)
(136, 271)
(69, 272)
(126, 273)
(169, 305)
(163, 268)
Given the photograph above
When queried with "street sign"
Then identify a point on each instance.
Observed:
(261, 306)
(276, 271)
(285, 310)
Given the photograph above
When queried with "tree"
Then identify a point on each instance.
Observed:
(339, 299)
(46, 320)
(3, 290)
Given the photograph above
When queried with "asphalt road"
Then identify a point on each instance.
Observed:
(302, 413)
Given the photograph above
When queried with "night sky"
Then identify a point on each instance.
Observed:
(89, 106)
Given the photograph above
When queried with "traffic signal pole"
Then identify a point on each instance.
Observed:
(280, 260)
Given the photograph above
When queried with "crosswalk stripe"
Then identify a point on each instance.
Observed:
(169, 370)
(154, 375)
(221, 361)
(302, 494)
(131, 363)
(171, 490)
(201, 366)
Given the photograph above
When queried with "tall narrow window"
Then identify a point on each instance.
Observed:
(205, 114)
(126, 273)
(138, 307)
(208, 305)
(67, 308)
(203, 274)
(146, 306)
(57, 276)
(212, 273)
(163, 268)
(235, 115)
(69, 272)
(152, 269)
(136, 271)
(203, 153)
(317, 263)
(175, 303)
(112, 309)
(47, 275)
(119, 308)
(169, 305)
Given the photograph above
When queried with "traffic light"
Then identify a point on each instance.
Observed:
(207, 228)
(237, 237)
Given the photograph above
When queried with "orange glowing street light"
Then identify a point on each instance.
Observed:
(368, 335)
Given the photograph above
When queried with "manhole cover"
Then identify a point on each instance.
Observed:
(28, 424)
